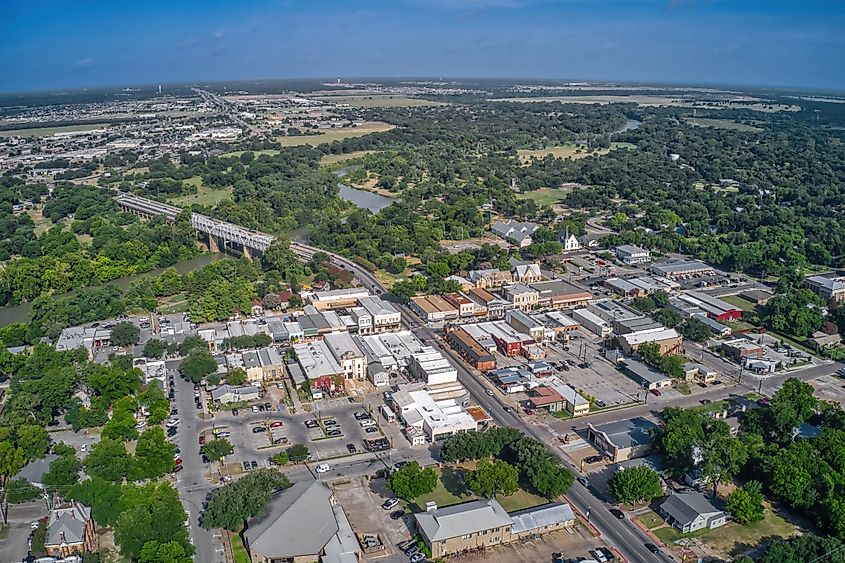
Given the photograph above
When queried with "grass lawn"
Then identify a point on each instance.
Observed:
(544, 196)
(452, 490)
(204, 196)
(47, 131)
(722, 124)
(713, 407)
(379, 101)
(729, 540)
(256, 153)
(239, 553)
(330, 135)
(335, 158)
(738, 301)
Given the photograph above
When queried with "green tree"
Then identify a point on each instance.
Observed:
(635, 484)
(120, 427)
(33, 441)
(155, 348)
(281, 458)
(217, 449)
(170, 552)
(63, 474)
(298, 453)
(746, 503)
(236, 377)
(125, 333)
(791, 405)
(153, 454)
(20, 490)
(695, 330)
(411, 481)
(493, 478)
(102, 496)
(108, 459)
(152, 512)
(804, 549)
(233, 503)
(198, 364)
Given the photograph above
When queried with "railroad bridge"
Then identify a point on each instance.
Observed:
(219, 233)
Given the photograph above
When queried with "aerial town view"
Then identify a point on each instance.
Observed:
(291, 282)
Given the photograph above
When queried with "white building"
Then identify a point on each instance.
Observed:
(436, 419)
(152, 369)
(630, 254)
(592, 322)
(570, 242)
(430, 366)
(350, 358)
(375, 315)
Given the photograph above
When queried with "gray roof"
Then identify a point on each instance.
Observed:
(460, 519)
(298, 521)
(67, 524)
(686, 507)
(35, 470)
(541, 516)
(628, 433)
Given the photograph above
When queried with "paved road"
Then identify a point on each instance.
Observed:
(14, 548)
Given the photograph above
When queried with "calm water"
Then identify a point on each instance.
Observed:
(630, 125)
(361, 198)
(20, 313)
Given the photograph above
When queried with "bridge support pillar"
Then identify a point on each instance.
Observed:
(247, 252)
(212, 243)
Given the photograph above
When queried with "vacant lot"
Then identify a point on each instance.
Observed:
(47, 131)
(738, 301)
(205, 196)
(329, 135)
(722, 124)
(335, 158)
(379, 101)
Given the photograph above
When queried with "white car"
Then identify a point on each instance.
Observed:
(367, 423)
(141, 424)
(254, 408)
(172, 422)
(322, 468)
(83, 448)
(489, 392)
(599, 556)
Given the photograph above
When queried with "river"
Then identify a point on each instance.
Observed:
(20, 313)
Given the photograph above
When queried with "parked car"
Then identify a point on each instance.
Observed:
(584, 481)
(655, 392)
(177, 469)
(254, 408)
(352, 449)
(607, 553)
(202, 440)
(362, 415)
(277, 424)
(280, 440)
(235, 412)
(618, 513)
(371, 430)
(390, 503)
(489, 392)
(705, 401)
(311, 423)
(246, 465)
(258, 429)
(322, 468)
(600, 557)
(417, 557)
(600, 404)
(178, 461)
(253, 464)
(268, 406)
(397, 514)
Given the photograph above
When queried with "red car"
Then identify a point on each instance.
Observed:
(178, 461)
(655, 392)
(276, 424)
(202, 440)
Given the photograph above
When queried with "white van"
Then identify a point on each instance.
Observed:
(388, 414)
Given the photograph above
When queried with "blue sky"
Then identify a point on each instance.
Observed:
(78, 43)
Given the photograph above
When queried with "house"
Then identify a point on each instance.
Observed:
(821, 340)
(34, 470)
(527, 273)
(490, 278)
(521, 296)
(226, 394)
(301, 524)
(70, 529)
(630, 254)
(693, 370)
(645, 375)
(667, 339)
(543, 397)
(689, 512)
(569, 242)
(622, 440)
(519, 233)
(574, 402)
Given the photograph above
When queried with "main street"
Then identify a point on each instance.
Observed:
(622, 534)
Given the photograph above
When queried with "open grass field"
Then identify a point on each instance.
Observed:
(738, 301)
(335, 158)
(722, 124)
(42, 224)
(568, 151)
(204, 196)
(330, 135)
(272, 152)
(379, 101)
(452, 490)
(544, 196)
(47, 131)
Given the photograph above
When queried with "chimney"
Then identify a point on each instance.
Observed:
(430, 506)
(62, 537)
